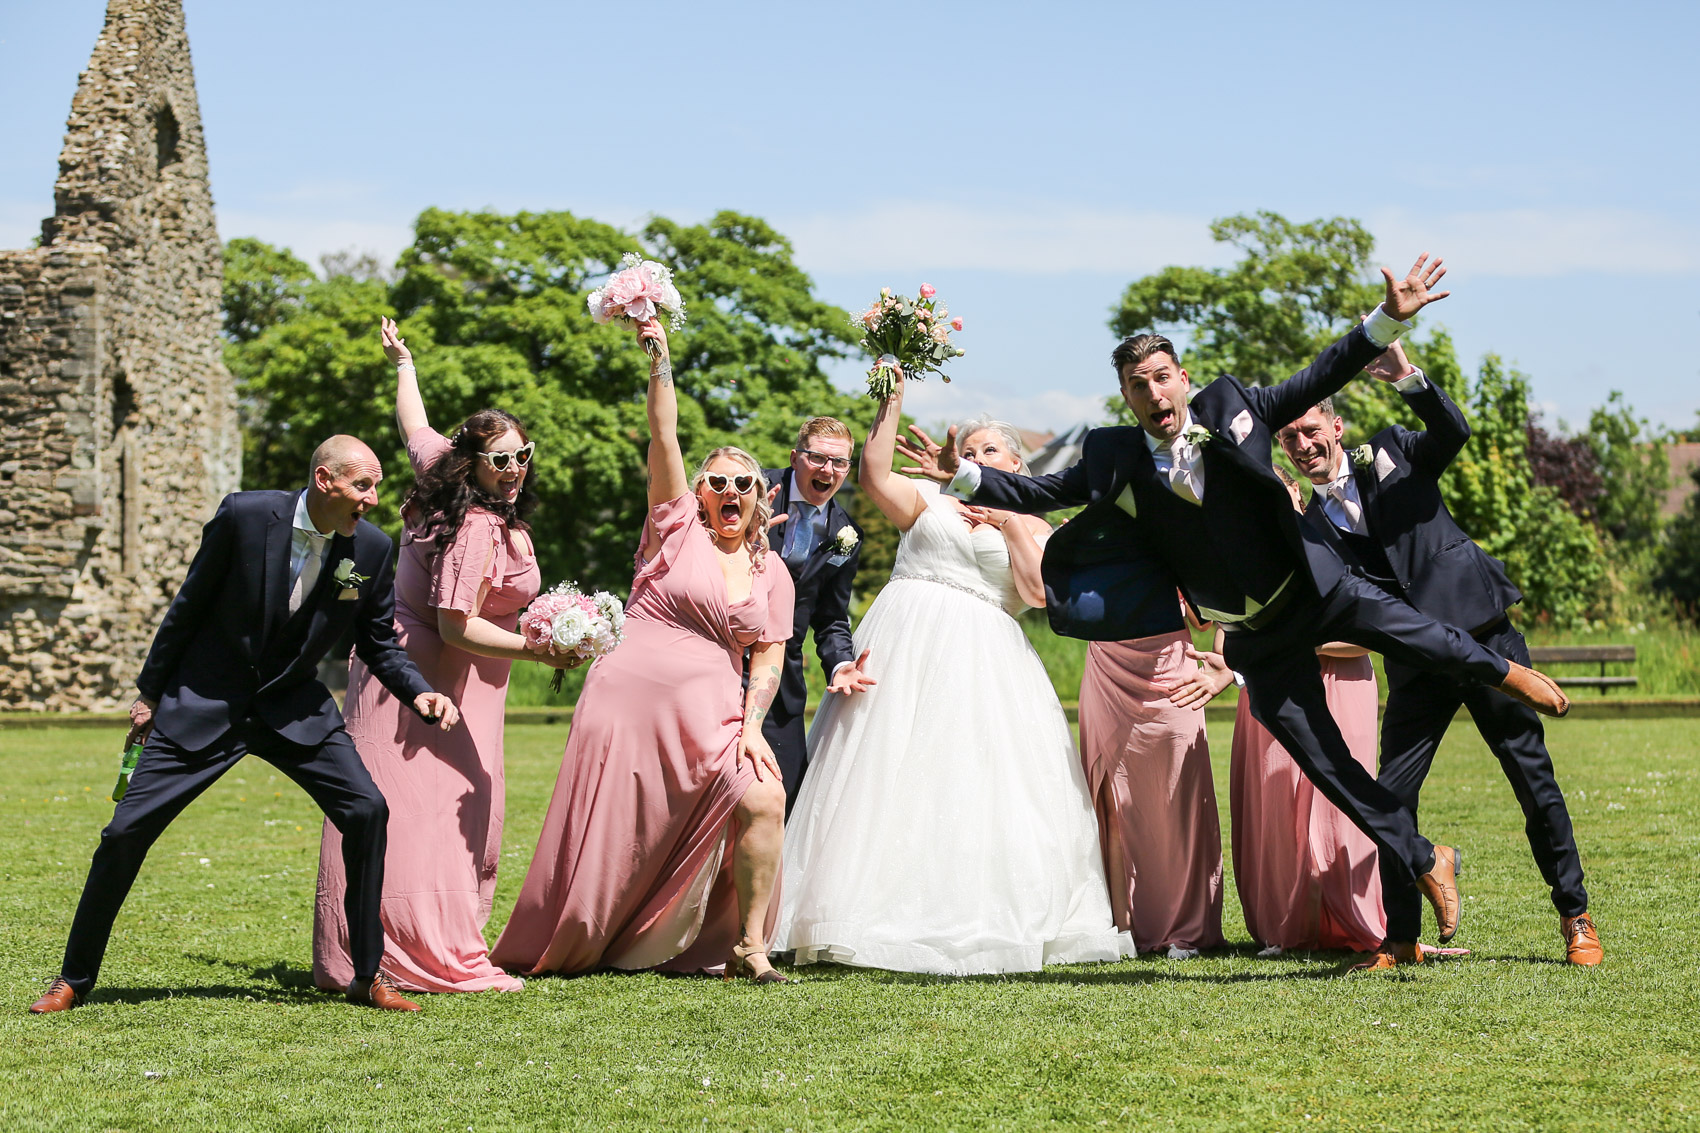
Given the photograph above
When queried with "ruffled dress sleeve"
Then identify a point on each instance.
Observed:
(478, 558)
(674, 521)
(426, 446)
(781, 599)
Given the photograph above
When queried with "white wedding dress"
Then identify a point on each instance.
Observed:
(944, 825)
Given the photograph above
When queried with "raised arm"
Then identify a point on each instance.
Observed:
(666, 462)
(993, 487)
(409, 406)
(898, 500)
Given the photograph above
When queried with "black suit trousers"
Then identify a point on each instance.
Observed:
(1284, 682)
(168, 778)
(788, 738)
(1420, 705)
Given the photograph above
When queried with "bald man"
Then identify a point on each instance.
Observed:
(277, 581)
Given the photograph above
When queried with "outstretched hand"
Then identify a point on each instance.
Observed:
(772, 496)
(395, 346)
(853, 677)
(1200, 686)
(1405, 297)
(1391, 365)
(935, 461)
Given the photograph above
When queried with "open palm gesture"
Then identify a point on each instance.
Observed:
(935, 461)
(1405, 297)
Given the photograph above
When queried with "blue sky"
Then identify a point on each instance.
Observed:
(1028, 160)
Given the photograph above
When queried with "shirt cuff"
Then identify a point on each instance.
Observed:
(832, 676)
(1411, 383)
(966, 483)
(1239, 680)
(1383, 329)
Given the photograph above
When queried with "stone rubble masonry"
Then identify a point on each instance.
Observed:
(118, 430)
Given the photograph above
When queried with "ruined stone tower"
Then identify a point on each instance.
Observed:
(118, 431)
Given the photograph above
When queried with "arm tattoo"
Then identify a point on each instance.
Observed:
(762, 690)
(663, 373)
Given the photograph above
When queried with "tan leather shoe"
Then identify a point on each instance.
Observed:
(1581, 940)
(60, 997)
(1391, 954)
(1535, 689)
(379, 992)
(1440, 886)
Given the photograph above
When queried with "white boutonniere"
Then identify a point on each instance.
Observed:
(1363, 456)
(845, 541)
(346, 578)
(1196, 435)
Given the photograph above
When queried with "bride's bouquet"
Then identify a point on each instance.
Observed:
(575, 623)
(638, 292)
(911, 333)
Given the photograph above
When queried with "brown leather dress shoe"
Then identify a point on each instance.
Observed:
(60, 997)
(1535, 689)
(1440, 886)
(1391, 954)
(1581, 940)
(379, 992)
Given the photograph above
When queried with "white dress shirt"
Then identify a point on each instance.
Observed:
(307, 546)
(1340, 500)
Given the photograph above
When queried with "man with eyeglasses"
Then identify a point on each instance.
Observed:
(822, 548)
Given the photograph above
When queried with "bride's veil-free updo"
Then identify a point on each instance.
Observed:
(755, 535)
(985, 423)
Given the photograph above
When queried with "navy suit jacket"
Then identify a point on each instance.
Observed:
(823, 586)
(227, 646)
(1439, 569)
(1110, 576)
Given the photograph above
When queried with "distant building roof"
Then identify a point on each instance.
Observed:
(1684, 458)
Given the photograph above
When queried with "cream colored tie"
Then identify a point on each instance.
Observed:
(309, 575)
(1180, 471)
(1353, 511)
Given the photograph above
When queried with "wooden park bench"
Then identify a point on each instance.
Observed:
(1544, 655)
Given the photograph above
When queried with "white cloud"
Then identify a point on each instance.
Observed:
(1046, 239)
(1544, 242)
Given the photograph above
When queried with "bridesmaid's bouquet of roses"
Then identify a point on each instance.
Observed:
(638, 292)
(911, 333)
(587, 626)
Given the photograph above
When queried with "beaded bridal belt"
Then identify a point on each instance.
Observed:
(953, 584)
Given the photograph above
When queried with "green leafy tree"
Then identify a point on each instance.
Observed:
(1634, 473)
(493, 307)
(1678, 573)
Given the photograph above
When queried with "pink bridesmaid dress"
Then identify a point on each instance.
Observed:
(1148, 765)
(445, 790)
(1307, 877)
(634, 865)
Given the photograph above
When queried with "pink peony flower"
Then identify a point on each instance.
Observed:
(956, 323)
(928, 291)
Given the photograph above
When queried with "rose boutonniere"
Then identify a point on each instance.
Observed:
(845, 541)
(346, 578)
(1196, 435)
(1363, 456)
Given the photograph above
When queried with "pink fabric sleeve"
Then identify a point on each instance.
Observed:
(674, 520)
(426, 446)
(781, 599)
(479, 556)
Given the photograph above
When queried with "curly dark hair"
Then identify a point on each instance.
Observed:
(436, 507)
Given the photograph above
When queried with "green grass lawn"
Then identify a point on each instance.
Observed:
(206, 1017)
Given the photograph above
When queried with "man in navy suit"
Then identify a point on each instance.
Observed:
(1381, 505)
(821, 547)
(1192, 496)
(277, 581)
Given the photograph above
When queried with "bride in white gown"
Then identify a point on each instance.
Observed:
(945, 824)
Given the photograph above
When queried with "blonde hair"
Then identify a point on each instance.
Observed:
(985, 423)
(755, 535)
(823, 427)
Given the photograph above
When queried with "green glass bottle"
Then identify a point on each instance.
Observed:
(126, 767)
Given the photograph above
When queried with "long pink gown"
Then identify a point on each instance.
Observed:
(634, 865)
(445, 789)
(1148, 765)
(1307, 877)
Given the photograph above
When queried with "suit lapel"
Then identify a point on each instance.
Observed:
(276, 594)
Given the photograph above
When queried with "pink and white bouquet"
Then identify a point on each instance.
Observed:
(911, 333)
(584, 625)
(638, 292)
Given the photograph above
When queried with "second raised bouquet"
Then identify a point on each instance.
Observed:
(910, 333)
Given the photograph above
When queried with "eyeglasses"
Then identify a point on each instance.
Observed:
(717, 483)
(520, 456)
(821, 460)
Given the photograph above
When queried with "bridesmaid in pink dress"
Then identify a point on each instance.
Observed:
(459, 590)
(661, 846)
(1307, 877)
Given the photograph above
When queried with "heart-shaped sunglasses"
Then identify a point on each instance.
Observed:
(718, 483)
(521, 457)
